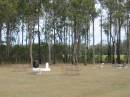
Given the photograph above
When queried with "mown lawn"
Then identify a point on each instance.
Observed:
(91, 81)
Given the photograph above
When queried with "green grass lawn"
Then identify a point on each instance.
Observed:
(92, 81)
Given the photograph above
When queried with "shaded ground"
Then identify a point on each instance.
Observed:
(90, 81)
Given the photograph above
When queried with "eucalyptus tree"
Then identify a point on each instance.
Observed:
(101, 37)
(1, 25)
(114, 9)
(87, 8)
(75, 15)
(101, 30)
(38, 12)
(56, 22)
(106, 27)
(128, 29)
(119, 15)
(116, 12)
(93, 16)
(52, 16)
(77, 10)
(109, 5)
(8, 16)
(86, 35)
(60, 12)
(48, 26)
(21, 15)
(30, 14)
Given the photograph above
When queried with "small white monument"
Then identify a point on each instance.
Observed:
(47, 68)
(39, 70)
(102, 65)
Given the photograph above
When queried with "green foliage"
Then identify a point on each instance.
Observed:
(8, 10)
(79, 9)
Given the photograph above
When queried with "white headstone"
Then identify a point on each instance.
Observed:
(47, 65)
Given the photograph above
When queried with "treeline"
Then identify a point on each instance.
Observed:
(20, 54)
(28, 23)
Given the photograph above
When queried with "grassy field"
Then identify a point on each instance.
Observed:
(89, 81)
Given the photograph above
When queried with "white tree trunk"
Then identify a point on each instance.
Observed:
(30, 29)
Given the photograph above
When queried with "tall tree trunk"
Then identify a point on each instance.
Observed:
(93, 44)
(128, 43)
(113, 53)
(110, 29)
(33, 35)
(72, 44)
(70, 32)
(114, 45)
(54, 49)
(86, 46)
(64, 32)
(108, 48)
(18, 41)
(0, 43)
(49, 47)
(26, 43)
(8, 39)
(39, 42)
(22, 30)
(67, 51)
(85, 49)
(78, 44)
(75, 59)
(45, 32)
(118, 44)
(0, 34)
(30, 30)
(128, 49)
(101, 42)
